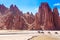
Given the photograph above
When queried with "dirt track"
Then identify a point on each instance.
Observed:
(24, 35)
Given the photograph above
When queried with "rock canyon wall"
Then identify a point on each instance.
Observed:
(14, 19)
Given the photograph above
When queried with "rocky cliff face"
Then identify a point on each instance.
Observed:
(37, 22)
(3, 8)
(46, 16)
(56, 18)
(14, 19)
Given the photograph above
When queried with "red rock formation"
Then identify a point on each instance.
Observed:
(56, 18)
(46, 17)
(18, 22)
(29, 20)
(29, 17)
(37, 22)
(8, 19)
(15, 10)
(9, 22)
(3, 19)
(2, 8)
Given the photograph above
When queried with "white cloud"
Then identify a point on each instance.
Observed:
(57, 4)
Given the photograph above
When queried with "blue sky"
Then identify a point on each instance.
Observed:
(30, 5)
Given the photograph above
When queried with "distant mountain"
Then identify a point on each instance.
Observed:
(14, 19)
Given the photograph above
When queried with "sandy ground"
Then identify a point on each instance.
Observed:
(24, 35)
